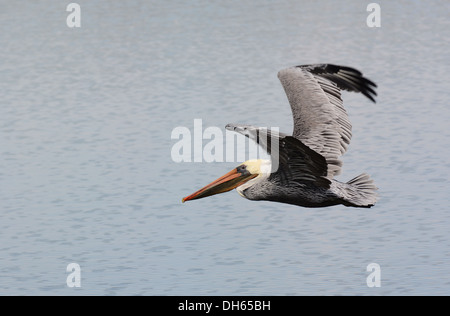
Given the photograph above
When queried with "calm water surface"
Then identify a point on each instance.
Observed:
(86, 173)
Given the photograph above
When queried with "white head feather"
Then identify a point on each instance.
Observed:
(260, 167)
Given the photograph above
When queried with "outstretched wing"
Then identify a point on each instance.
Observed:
(292, 161)
(320, 120)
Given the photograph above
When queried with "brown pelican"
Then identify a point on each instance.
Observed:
(307, 161)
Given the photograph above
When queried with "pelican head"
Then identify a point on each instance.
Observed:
(242, 177)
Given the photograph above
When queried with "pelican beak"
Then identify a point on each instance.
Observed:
(225, 183)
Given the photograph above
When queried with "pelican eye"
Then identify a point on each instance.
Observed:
(241, 168)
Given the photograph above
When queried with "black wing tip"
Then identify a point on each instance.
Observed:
(329, 68)
(347, 78)
(369, 96)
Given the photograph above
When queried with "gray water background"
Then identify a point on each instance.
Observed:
(86, 173)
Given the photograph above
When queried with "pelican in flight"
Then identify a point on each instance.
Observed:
(302, 166)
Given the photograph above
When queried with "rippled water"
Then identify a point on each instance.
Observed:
(86, 174)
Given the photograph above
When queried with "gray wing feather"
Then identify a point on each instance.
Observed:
(292, 161)
(265, 138)
(320, 120)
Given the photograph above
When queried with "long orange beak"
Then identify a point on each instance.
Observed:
(225, 183)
